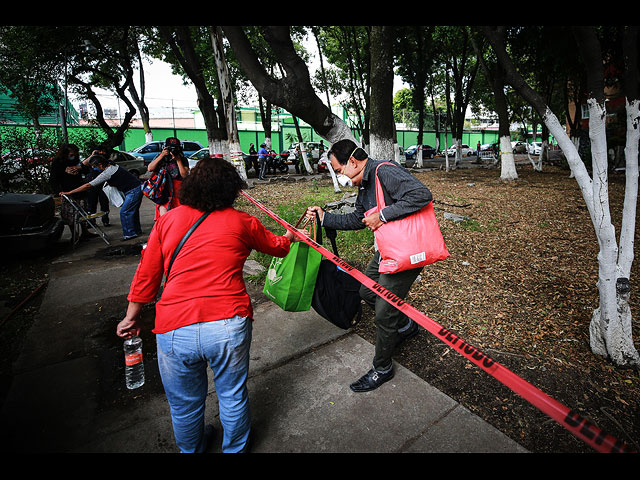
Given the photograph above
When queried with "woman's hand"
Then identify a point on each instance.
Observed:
(129, 326)
(294, 238)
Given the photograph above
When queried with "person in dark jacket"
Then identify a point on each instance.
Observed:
(124, 181)
(404, 195)
(66, 174)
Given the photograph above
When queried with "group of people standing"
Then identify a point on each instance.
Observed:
(83, 181)
(204, 316)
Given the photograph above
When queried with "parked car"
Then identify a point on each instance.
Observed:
(535, 148)
(195, 157)
(151, 150)
(465, 150)
(411, 153)
(131, 163)
(519, 147)
(28, 222)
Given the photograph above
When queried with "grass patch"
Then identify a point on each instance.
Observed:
(289, 202)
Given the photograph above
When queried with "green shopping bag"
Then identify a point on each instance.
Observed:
(291, 280)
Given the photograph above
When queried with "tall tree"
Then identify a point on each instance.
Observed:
(226, 94)
(182, 42)
(414, 64)
(495, 76)
(610, 328)
(383, 132)
(293, 91)
(462, 69)
(103, 58)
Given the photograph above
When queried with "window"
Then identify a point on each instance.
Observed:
(584, 111)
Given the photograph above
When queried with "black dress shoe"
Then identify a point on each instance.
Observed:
(372, 380)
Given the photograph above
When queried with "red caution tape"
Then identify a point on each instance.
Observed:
(572, 421)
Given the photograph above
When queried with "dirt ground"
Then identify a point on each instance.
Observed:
(520, 286)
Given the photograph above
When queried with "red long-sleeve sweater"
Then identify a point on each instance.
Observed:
(206, 281)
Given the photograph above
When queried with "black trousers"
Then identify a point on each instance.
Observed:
(388, 319)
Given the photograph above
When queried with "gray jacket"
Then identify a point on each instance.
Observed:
(403, 195)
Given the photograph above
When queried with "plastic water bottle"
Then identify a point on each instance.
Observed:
(134, 368)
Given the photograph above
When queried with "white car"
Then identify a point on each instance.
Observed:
(193, 159)
(465, 151)
(535, 148)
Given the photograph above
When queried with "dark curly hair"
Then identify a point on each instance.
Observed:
(213, 184)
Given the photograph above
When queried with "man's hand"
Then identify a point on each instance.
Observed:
(373, 221)
(311, 212)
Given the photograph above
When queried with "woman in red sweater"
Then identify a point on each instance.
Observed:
(204, 316)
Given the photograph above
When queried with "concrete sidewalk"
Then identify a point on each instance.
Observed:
(68, 393)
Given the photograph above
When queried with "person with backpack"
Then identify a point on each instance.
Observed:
(177, 168)
(128, 185)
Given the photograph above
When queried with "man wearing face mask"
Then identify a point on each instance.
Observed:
(404, 195)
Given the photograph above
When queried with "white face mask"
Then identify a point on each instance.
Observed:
(344, 181)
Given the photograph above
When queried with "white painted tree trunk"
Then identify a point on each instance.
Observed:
(234, 152)
(446, 154)
(458, 143)
(381, 148)
(148, 137)
(237, 159)
(537, 165)
(336, 186)
(305, 158)
(508, 167)
(610, 328)
(396, 150)
(418, 163)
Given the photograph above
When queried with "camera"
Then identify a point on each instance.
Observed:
(173, 145)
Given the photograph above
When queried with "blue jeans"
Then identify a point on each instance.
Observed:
(130, 213)
(183, 356)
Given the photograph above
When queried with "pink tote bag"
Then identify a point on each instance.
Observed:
(411, 242)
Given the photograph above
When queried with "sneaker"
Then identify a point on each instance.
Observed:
(372, 380)
(124, 239)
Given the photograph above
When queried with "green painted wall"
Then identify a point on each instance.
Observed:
(280, 140)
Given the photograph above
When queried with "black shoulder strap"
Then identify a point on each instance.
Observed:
(331, 234)
(184, 239)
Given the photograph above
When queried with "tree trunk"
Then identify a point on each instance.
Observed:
(302, 148)
(226, 92)
(610, 328)
(294, 91)
(382, 134)
(182, 47)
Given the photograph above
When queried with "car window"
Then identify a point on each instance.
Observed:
(189, 146)
(152, 147)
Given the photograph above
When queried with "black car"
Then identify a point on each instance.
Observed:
(427, 152)
(28, 221)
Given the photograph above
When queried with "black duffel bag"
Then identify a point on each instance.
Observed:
(337, 294)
